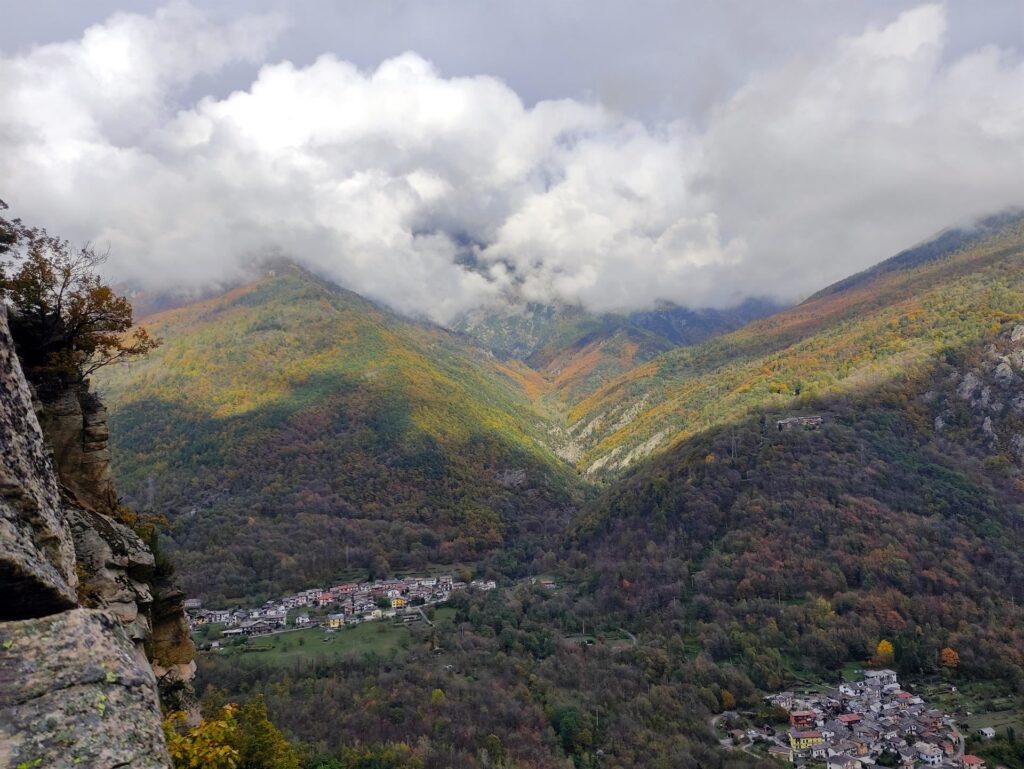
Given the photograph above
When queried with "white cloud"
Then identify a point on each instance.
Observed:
(436, 194)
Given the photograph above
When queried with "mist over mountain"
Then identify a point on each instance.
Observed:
(436, 194)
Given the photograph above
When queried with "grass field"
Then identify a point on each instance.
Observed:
(381, 638)
(203, 632)
(998, 720)
(852, 671)
(317, 645)
(977, 704)
(445, 614)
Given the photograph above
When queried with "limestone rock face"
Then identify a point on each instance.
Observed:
(73, 693)
(37, 557)
(75, 425)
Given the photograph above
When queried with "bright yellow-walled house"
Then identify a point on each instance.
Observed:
(804, 740)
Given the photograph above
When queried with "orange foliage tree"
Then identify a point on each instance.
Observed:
(948, 658)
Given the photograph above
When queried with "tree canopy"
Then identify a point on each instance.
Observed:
(66, 321)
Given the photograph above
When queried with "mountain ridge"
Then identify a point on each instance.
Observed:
(834, 339)
(370, 412)
(290, 401)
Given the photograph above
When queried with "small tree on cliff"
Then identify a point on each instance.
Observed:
(65, 321)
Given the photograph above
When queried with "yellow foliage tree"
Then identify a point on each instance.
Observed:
(884, 653)
(206, 746)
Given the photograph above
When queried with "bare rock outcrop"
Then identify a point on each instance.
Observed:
(172, 651)
(981, 400)
(73, 693)
(75, 426)
(116, 568)
(76, 686)
(37, 557)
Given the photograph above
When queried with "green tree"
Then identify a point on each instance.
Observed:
(259, 743)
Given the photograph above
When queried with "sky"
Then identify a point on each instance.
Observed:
(442, 155)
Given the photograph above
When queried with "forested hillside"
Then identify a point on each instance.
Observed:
(293, 432)
(901, 518)
(336, 438)
(706, 556)
(901, 314)
(743, 561)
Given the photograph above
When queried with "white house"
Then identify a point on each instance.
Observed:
(929, 754)
(884, 677)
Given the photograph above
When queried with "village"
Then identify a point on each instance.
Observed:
(869, 722)
(873, 721)
(336, 607)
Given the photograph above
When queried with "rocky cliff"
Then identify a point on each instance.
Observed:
(92, 634)
(980, 400)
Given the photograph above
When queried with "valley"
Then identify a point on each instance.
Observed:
(655, 480)
(461, 385)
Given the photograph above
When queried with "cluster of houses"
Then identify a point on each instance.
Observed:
(852, 726)
(345, 604)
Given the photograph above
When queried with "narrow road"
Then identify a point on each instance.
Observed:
(726, 742)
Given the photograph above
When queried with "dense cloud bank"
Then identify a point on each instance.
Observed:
(435, 195)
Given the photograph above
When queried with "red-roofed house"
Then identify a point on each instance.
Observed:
(801, 719)
(972, 762)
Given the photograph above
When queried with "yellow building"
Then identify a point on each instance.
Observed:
(804, 740)
(335, 621)
(397, 603)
